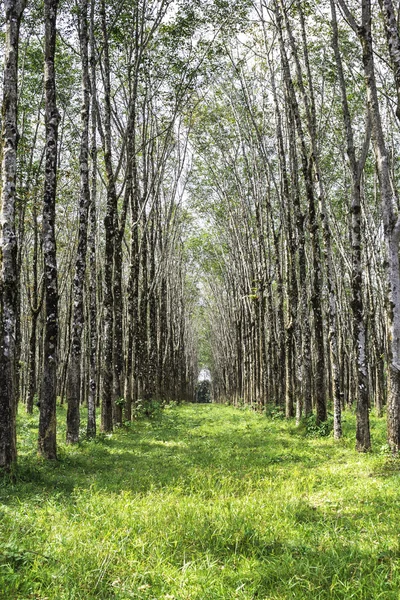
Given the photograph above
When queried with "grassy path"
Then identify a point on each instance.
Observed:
(202, 503)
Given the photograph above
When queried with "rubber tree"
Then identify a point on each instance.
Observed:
(8, 239)
(47, 420)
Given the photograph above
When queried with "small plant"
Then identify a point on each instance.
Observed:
(170, 404)
(276, 413)
(146, 408)
(152, 408)
(312, 429)
(385, 449)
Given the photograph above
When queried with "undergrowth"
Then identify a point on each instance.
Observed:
(313, 429)
(202, 503)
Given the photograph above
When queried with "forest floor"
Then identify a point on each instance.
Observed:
(202, 502)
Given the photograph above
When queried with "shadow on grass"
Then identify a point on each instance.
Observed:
(161, 452)
(325, 541)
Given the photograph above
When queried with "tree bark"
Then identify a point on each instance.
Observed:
(74, 383)
(91, 418)
(363, 440)
(110, 233)
(391, 222)
(8, 238)
(35, 297)
(307, 169)
(393, 42)
(47, 419)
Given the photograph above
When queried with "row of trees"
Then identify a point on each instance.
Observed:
(95, 300)
(296, 167)
(206, 183)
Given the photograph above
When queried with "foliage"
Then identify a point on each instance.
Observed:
(312, 429)
(274, 412)
(146, 408)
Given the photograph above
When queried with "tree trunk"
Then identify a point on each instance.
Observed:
(363, 441)
(391, 223)
(74, 383)
(47, 420)
(8, 239)
(91, 418)
(393, 43)
(316, 300)
(110, 233)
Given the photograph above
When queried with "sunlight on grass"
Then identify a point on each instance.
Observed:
(202, 503)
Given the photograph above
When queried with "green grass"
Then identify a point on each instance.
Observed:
(202, 503)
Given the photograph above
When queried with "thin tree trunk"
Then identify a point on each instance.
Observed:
(35, 307)
(74, 383)
(8, 239)
(47, 419)
(319, 376)
(110, 233)
(393, 43)
(363, 439)
(91, 418)
(391, 222)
